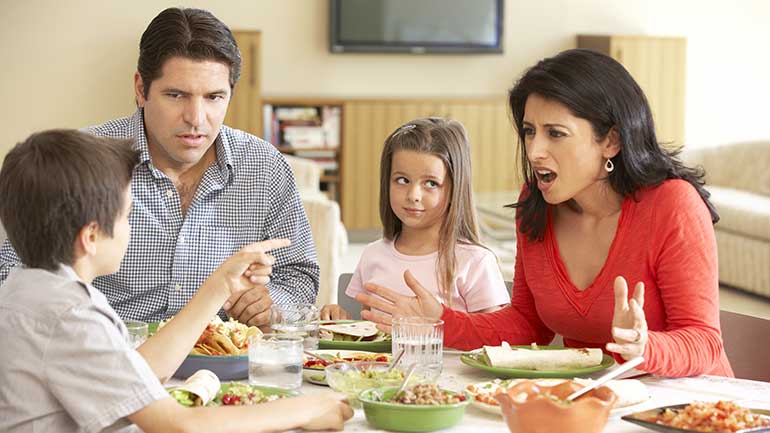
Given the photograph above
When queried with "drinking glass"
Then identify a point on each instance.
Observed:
(422, 341)
(138, 332)
(275, 360)
(299, 319)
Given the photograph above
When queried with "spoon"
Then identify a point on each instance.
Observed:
(408, 376)
(633, 362)
(313, 355)
(395, 361)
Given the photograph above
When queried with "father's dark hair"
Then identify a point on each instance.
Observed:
(56, 182)
(185, 32)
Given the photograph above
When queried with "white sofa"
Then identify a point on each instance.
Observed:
(329, 235)
(738, 177)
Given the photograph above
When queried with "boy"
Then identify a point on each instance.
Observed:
(65, 366)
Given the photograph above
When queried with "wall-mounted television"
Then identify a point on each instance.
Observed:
(416, 26)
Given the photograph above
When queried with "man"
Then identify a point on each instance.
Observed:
(202, 190)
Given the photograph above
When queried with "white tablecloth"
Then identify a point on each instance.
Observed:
(663, 392)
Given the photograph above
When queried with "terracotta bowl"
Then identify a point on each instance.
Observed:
(527, 410)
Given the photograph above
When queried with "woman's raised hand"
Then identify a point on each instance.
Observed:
(629, 326)
(424, 304)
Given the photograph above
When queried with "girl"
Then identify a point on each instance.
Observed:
(603, 202)
(429, 222)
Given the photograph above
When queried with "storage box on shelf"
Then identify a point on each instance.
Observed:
(308, 129)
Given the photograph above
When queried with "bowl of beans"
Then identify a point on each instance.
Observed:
(419, 408)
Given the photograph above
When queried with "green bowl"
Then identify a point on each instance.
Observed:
(408, 417)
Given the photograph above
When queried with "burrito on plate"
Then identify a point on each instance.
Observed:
(505, 356)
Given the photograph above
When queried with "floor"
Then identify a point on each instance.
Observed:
(729, 299)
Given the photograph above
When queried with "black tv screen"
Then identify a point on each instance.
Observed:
(416, 26)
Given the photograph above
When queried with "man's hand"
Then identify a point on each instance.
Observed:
(251, 306)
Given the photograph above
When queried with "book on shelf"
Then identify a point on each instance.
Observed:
(302, 127)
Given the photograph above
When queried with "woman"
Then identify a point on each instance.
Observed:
(602, 203)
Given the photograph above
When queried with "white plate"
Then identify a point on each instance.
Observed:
(318, 377)
(493, 385)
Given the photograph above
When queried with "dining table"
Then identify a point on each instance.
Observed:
(663, 391)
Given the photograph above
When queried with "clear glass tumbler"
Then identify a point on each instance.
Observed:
(422, 341)
(138, 332)
(300, 319)
(275, 360)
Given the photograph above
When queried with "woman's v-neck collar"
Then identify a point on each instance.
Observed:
(582, 300)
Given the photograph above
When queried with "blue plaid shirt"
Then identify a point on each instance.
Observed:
(248, 195)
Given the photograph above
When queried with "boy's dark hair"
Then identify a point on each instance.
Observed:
(56, 182)
(185, 32)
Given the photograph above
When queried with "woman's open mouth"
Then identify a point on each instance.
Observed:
(545, 176)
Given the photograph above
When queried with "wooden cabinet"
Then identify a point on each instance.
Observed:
(245, 110)
(658, 64)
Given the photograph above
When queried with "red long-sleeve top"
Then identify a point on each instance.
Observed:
(664, 238)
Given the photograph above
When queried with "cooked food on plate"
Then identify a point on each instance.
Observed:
(721, 416)
(329, 359)
(223, 338)
(352, 331)
(242, 394)
(427, 394)
(505, 356)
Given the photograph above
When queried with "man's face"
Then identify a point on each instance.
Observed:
(184, 110)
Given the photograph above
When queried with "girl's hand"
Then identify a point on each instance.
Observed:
(422, 305)
(334, 312)
(629, 326)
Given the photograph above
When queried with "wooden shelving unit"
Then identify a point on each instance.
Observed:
(318, 126)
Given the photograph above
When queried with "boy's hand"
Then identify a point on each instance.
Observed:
(246, 273)
(334, 312)
(325, 411)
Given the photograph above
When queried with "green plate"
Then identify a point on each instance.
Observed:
(476, 360)
(365, 346)
(407, 417)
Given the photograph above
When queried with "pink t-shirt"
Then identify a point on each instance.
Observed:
(478, 281)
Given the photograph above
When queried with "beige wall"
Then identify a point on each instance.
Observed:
(70, 63)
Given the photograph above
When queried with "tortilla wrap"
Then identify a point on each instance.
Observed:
(505, 356)
(356, 329)
(204, 384)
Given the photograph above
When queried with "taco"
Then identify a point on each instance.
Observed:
(353, 331)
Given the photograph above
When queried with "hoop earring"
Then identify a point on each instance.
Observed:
(609, 166)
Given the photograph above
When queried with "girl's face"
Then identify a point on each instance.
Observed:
(419, 189)
(562, 149)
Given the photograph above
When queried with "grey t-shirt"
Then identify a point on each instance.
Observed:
(65, 365)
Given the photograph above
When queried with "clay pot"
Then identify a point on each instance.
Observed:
(526, 410)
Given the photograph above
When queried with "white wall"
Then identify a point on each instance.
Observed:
(70, 63)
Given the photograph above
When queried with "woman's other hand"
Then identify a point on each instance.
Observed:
(629, 326)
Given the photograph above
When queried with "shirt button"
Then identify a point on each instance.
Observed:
(169, 193)
(178, 287)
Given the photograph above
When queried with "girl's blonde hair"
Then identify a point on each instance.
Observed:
(447, 140)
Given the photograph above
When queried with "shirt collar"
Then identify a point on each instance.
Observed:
(222, 143)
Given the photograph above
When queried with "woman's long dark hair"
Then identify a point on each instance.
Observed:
(598, 89)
